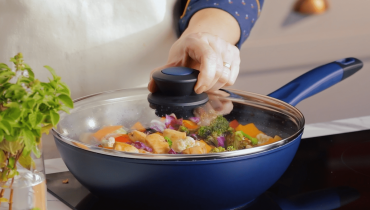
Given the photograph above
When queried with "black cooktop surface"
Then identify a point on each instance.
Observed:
(329, 172)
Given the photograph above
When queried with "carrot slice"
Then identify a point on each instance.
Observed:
(81, 145)
(138, 126)
(234, 124)
(163, 119)
(106, 130)
(124, 138)
(189, 124)
(249, 129)
(204, 144)
(271, 140)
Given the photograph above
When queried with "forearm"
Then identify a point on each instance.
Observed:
(216, 22)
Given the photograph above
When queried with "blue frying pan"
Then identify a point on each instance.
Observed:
(226, 180)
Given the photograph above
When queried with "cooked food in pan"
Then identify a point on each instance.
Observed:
(171, 135)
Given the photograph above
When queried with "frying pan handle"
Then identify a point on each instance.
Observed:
(317, 80)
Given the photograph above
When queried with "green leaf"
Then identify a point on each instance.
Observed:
(11, 162)
(52, 71)
(66, 100)
(37, 97)
(25, 152)
(29, 139)
(11, 146)
(46, 128)
(24, 80)
(54, 116)
(4, 79)
(12, 173)
(4, 177)
(32, 118)
(11, 104)
(37, 132)
(53, 84)
(30, 103)
(2, 158)
(65, 88)
(35, 119)
(15, 87)
(4, 67)
(26, 162)
(31, 75)
(65, 109)
(6, 126)
(7, 73)
(36, 151)
(63, 91)
(43, 107)
(13, 113)
(1, 135)
(14, 136)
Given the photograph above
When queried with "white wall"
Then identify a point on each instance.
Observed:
(284, 45)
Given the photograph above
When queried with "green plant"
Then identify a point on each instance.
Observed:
(28, 108)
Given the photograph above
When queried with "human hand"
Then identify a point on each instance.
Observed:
(206, 53)
(214, 107)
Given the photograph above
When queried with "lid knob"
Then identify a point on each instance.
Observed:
(176, 87)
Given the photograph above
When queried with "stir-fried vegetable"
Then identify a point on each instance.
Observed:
(170, 135)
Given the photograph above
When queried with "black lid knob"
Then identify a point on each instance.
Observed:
(176, 87)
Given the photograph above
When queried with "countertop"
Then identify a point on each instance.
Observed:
(311, 130)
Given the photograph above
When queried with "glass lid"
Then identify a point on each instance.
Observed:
(231, 123)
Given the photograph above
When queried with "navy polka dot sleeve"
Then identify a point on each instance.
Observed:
(246, 12)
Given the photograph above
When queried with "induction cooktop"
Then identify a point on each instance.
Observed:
(329, 172)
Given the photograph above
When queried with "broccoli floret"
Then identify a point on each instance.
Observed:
(184, 129)
(211, 140)
(230, 148)
(218, 149)
(236, 141)
(217, 127)
(204, 131)
(220, 125)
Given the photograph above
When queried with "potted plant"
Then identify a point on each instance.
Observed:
(28, 108)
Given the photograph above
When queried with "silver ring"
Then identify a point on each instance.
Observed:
(227, 65)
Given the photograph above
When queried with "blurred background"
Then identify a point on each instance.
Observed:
(283, 45)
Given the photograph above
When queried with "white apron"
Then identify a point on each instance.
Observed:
(93, 45)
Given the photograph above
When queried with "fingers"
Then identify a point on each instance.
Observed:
(202, 52)
(206, 53)
(226, 53)
(235, 66)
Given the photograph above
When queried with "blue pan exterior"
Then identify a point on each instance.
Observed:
(224, 183)
(202, 184)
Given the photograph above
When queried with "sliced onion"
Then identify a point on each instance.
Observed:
(221, 141)
(194, 119)
(194, 136)
(172, 151)
(141, 145)
(172, 123)
(157, 125)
